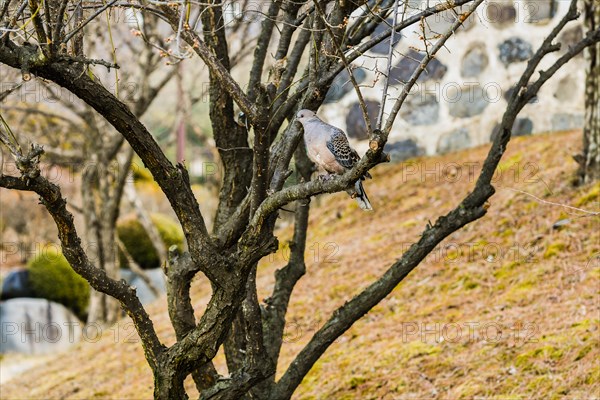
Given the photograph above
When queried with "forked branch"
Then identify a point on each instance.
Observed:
(55, 203)
(473, 207)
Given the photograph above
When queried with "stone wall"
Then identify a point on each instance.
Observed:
(461, 97)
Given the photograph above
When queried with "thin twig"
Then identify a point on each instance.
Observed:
(37, 23)
(60, 17)
(7, 92)
(87, 21)
(7, 137)
(135, 268)
(361, 100)
(83, 60)
(389, 63)
(429, 56)
(551, 203)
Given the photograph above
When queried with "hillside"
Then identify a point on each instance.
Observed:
(508, 307)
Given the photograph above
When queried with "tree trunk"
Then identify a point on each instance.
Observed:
(100, 237)
(103, 309)
(169, 384)
(112, 308)
(590, 162)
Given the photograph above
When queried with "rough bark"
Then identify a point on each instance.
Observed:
(252, 194)
(589, 161)
(287, 277)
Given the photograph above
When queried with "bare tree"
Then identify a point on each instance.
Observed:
(589, 161)
(252, 190)
(107, 163)
(99, 152)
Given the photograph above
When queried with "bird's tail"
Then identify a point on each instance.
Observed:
(361, 197)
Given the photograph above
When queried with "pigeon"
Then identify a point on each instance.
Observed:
(328, 147)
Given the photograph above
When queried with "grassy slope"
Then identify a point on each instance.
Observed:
(510, 271)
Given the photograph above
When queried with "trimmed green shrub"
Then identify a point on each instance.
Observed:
(138, 244)
(51, 277)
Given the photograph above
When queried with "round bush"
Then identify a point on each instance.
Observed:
(138, 244)
(51, 277)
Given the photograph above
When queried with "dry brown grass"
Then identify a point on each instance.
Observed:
(509, 271)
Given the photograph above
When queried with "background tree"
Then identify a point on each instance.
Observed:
(589, 161)
(316, 42)
(96, 150)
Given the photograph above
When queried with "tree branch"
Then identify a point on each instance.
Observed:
(52, 199)
(180, 272)
(343, 318)
(89, 19)
(287, 277)
(472, 207)
(262, 47)
(216, 67)
(389, 123)
(34, 9)
(135, 267)
(277, 200)
(359, 50)
(361, 100)
(390, 56)
(172, 180)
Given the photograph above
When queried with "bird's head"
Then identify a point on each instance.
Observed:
(304, 115)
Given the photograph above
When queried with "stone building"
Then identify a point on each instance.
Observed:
(460, 99)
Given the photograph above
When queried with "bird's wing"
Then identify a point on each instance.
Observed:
(345, 155)
(338, 144)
